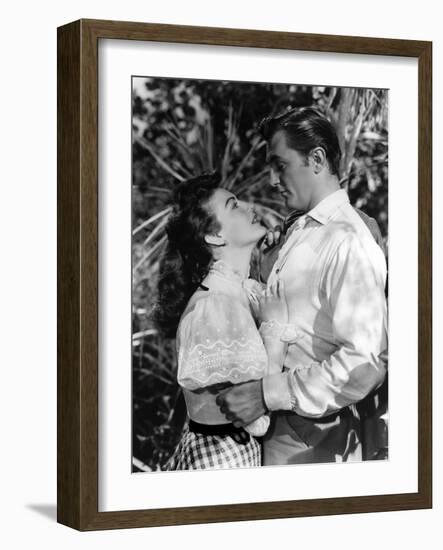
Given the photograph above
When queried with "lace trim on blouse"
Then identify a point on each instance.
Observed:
(219, 342)
(231, 361)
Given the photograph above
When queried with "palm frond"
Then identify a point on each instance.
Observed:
(143, 143)
(150, 252)
(152, 219)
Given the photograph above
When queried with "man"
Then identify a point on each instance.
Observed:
(334, 277)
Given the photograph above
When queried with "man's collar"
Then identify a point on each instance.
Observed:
(323, 211)
(291, 219)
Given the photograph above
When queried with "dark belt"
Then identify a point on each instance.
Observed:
(214, 429)
(342, 413)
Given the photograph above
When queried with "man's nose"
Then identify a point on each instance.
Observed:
(274, 179)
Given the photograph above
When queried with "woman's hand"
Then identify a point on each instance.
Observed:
(272, 239)
(272, 304)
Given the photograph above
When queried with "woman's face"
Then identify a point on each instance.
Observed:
(240, 225)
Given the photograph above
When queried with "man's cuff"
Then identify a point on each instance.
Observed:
(277, 393)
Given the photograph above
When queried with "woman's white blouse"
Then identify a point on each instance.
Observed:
(218, 343)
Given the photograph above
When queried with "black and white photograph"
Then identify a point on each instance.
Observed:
(259, 274)
(221, 275)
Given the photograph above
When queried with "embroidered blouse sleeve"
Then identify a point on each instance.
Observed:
(219, 342)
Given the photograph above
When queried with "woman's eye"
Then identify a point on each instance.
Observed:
(235, 204)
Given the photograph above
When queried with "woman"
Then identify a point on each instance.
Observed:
(206, 300)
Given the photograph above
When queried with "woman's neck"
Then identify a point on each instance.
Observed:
(238, 259)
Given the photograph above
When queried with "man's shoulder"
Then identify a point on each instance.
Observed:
(350, 222)
(351, 231)
(344, 224)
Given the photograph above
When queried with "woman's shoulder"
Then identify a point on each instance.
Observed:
(205, 301)
(214, 308)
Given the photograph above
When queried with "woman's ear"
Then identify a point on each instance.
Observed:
(215, 240)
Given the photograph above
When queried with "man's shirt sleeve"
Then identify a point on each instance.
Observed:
(354, 288)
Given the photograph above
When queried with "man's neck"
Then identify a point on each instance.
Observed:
(327, 187)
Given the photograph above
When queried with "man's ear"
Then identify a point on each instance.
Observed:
(318, 158)
(215, 240)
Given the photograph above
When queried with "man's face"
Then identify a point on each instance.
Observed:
(291, 173)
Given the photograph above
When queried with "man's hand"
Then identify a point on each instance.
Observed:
(243, 403)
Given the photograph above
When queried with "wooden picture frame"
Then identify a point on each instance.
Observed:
(77, 454)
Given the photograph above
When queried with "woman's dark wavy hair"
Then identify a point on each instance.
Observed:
(306, 128)
(187, 257)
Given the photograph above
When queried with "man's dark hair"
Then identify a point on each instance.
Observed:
(304, 129)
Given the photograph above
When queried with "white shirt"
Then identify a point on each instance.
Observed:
(334, 276)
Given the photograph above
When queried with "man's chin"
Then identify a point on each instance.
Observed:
(285, 197)
(290, 204)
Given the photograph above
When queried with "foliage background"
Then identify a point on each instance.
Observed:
(183, 127)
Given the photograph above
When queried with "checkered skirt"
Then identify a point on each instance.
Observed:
(197, 451)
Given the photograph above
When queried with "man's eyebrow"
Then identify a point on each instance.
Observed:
(231, 198)
(273, 158)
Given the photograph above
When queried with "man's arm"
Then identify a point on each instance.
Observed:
(354, 287)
